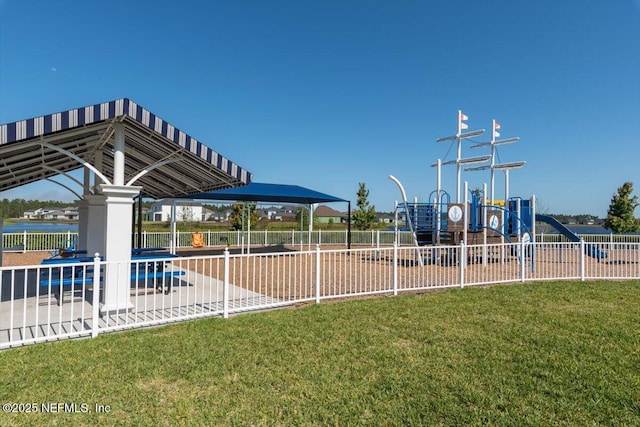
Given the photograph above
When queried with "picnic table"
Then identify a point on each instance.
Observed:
(72, 273)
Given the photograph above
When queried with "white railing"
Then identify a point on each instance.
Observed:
(591, 238)
(162, 290)
(25, 242)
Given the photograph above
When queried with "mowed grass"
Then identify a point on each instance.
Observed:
(558, 353)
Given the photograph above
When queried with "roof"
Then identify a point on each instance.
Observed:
(326, 211)
(169, 202)
(262, 192)
(30, 150)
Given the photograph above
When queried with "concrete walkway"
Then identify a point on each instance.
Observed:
(28, 315)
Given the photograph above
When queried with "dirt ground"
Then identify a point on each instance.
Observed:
(13, 259)
(364, 272)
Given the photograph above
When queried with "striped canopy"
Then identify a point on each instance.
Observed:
(175, 163)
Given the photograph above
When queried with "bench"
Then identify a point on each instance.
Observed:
(139, 251)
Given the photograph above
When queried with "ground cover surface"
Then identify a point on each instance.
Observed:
(553, 353)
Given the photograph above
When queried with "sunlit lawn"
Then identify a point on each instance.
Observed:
(562, 353)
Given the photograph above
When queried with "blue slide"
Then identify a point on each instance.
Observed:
(590, 250)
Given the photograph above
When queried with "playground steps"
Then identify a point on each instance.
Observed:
(425, 237)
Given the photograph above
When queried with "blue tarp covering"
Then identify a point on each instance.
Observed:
(262, 192)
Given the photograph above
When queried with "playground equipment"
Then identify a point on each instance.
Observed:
(474, 221)
(476, 218)
(589, 249)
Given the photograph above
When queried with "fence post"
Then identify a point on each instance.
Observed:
(462, 260)
(522, 260)
(225, 286)
(317, 274)
(95, 324)
(582, 260)
(24, 241)
(395, 267)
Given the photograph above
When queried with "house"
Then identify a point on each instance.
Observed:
(326, 215)
(220, 216)
(186, 210)
(32, 214)
(283, 213)
(70, 213)
(272, 214)
(52, 213)
(385, 218)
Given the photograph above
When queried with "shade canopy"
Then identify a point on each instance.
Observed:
(161, 158)
(262, 192)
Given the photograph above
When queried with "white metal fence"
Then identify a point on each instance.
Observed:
(32, 308)
(25, 242)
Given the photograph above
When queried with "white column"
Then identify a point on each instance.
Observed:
(92, 223)
(118, 155)
(90, 217)
(117, 251)
(83, 224)
(83, 219)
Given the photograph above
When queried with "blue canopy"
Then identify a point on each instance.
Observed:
(262, 192)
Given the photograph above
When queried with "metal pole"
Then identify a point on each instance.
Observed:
(225, 284)
(248, 228)
(459, 170)
(506, 187)
(493, 160)
(484, 224)
(438, 201)
(466, 212)
(459, 156)
(349, 225)
(310, 227)
(1, 240)
(140, 220)
(172, 228)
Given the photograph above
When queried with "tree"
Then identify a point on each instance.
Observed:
(238, 218)
(364, 216)
(620, 217)
(303, 213)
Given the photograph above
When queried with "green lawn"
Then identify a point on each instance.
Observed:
(560, 353)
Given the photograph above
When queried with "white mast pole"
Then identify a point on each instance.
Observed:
(493, 160)
(459, 156)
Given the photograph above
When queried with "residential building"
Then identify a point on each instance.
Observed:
(186, 210)
(326, 215)
(52, 213)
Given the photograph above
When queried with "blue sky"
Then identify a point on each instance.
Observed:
(327, 94)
